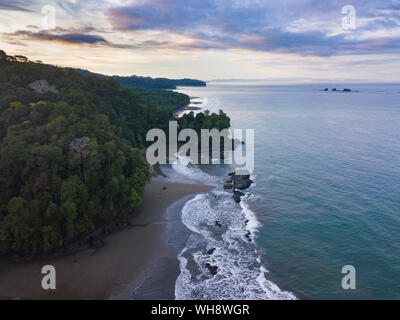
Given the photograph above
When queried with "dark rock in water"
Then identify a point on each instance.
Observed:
(248, 236)
(346, 90)
(326, 89)
(218, 224)
(237, 195)
(213, 269)
(211, 251)
(241, 181)
(242, 184)
(334, 89)
(164, 188)
(228, 186)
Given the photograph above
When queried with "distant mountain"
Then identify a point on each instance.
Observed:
(157, 83)
(148, 82)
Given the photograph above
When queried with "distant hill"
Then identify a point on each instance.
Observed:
(148, 82)
(157, 83)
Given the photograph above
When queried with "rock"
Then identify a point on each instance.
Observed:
(237, 195)
(326, 89)
(164, 188)
(211, 251)
(240, 181)
(42, 87)
(228, 186)
(213, 269)
(248, 236)
(79, 145)
(334, 89)
(218, 224)
(346, 90)
(242, 184)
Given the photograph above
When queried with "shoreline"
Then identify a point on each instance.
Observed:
(191, 106)
(111, 272)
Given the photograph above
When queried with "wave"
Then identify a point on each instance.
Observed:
(220, 260)
(198, 102)
(183, 169)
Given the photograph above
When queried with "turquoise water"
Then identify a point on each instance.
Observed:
(327, 192)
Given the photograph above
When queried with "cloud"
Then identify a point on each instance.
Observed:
(67, 38)
(13, 5)
(79, 37)
(305, 27)
(73, 36)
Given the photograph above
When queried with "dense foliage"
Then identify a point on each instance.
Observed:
(64, 168)
(69, 151)
(157, 83)
(204, 120)
(148, 82)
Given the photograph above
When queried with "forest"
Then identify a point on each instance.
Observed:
(148, 82)
(71, 150)
(157, 83)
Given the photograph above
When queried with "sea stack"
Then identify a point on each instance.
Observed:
(238, 182)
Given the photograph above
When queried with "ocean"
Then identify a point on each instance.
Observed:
(326, 195)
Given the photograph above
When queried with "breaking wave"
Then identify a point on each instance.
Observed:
(220, 260)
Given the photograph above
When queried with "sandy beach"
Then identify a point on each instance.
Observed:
(112, 271)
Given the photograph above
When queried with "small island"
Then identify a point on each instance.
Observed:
(336, 90)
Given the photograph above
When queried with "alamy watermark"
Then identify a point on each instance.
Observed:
(349, 280)
(349, 19)
(210, 143)
(48, 21)
(49, 280)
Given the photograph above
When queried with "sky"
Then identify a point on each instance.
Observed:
(281, 41)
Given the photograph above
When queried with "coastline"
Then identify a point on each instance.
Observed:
(113, 271)
(194, 106)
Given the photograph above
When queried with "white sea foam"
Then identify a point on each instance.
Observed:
(198, 102)
(271, 290)
(222, 237)
(252, 224)
(183, 168)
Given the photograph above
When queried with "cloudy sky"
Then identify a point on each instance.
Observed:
(286, 41)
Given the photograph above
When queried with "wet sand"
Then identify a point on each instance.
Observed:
(112, 271)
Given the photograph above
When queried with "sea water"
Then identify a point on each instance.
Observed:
(326, 195)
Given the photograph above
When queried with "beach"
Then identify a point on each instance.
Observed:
(111, 272)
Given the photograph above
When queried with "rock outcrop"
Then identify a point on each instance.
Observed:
(42, 87)
(238, 182)
(228, 186)
(237, 195)
(213, 269)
